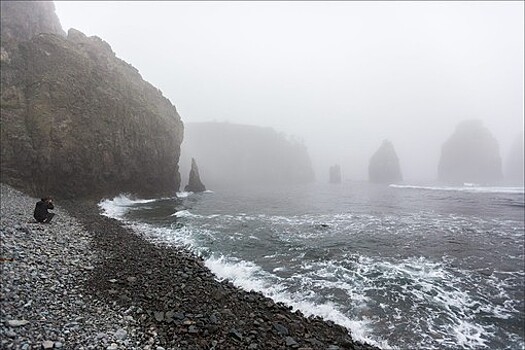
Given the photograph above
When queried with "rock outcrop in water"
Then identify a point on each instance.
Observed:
(241, 155)
(194, 183)
(470, 155)
(335, 174)
(514, 169)
(384, 165)
(76, 120)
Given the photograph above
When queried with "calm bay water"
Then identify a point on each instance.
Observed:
(400, 266)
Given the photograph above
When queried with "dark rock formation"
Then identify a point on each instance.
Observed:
(470, 155)
(514, 168)
(384, 165)
(194, 183)
(242, 155)
(22, 20)
(76, 120)
(335, 174)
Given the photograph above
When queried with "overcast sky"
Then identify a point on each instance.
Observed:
(342, 76)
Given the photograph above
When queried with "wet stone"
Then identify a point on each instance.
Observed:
(236, 334)
(178, 315)
(213, 319)
(290, 341)
(280, 328)
(159, 316)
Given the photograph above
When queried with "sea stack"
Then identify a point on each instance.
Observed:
(76, 120)
(384, 165)
(335, 174)
(470, 155)
(194, 183)
(515, 165)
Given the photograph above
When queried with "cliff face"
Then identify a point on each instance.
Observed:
(76, 120)
(22, 20)
(384, 165)
(232, 155)
(471, 154)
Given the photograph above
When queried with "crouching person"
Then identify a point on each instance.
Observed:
(41, 213)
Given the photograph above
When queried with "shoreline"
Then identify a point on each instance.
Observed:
(163, 297)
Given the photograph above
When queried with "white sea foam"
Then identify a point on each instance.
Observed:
(473, 188)
(442, 293)
(184, 214)
(429, 286)
(165, 235)
(249, 276)
(184, 194)
(117, 207)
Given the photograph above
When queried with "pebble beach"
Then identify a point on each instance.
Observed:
(87, 282)
(44, 272)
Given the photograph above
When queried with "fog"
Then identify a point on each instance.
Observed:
(341, 76)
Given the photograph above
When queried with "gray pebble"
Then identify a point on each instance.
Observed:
(47, 344)
(290, 341)
(17, 323)
(120, 334)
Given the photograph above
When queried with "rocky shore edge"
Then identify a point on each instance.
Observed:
(87, 282)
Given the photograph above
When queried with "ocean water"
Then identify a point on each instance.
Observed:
(400, 266)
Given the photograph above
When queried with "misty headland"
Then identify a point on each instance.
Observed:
(367, 170)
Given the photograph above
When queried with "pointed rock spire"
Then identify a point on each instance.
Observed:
(194, 182)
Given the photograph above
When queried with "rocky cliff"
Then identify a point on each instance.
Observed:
(384, 165)
(470, 155)
(22, 20)
(76, 121)
(232, 155)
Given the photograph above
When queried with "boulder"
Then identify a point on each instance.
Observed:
(384, 165)
(470, 155)
(194, 183)
(76, 120)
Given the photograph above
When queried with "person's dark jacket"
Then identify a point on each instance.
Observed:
(41, 210)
